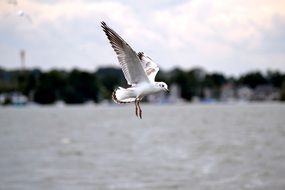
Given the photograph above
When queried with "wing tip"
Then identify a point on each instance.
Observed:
(140, 55)
(104, 25)
(106, 29)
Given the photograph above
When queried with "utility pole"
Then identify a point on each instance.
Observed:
(23, 59)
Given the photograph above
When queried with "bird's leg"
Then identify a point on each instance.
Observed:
(136, 107)
(140, 110)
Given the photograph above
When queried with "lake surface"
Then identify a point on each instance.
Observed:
(201, 147)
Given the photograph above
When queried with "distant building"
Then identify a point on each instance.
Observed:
(14, 98)
(162, 97)
(2, 98)
(18, 99)
(207, 96)
(244, 93)
(174, 94)
(266, 92)
(227, 92)
(157, 98)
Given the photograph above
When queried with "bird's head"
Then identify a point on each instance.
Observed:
(163, 86)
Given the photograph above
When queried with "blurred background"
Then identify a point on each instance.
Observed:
(208, 51)
(221, 126)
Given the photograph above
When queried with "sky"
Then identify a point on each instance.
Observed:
(228, 36)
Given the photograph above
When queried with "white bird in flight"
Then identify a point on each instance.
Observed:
(25, 15)
(139, 71)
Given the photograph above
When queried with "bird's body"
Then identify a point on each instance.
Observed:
(139, 71)
(126, 95)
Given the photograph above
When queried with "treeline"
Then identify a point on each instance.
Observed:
(78, 86)
(193, 82)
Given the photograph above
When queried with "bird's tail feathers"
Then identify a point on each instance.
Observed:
(122, 96)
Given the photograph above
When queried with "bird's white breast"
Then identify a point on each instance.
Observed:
(145, 89)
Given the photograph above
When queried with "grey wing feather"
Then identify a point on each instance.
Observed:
(128, 59)
(151, 69)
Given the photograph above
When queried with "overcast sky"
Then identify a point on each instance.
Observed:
(229, 36)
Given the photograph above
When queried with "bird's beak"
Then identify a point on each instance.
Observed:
(166, 90)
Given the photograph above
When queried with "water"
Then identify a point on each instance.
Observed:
(225, 147)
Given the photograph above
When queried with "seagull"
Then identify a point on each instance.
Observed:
(25, 15)
(139, 70)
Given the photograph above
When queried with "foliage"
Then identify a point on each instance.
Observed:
(253, 79)
(282, 91)
(80, 86)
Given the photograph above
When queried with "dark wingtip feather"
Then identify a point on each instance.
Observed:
(104, 25)
(140, 54)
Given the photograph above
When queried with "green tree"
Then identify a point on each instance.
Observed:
(45, 92)
(109, 78)
(45, 95)
(252, 79)
(282, 91)
(275, 78)
(81, 86)
(180, 78)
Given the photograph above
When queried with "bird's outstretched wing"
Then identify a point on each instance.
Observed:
(129, 60)
(150, 67)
